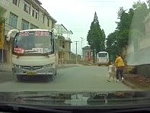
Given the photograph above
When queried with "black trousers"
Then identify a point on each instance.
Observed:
(119, 73)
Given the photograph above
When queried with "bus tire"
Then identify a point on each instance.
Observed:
(19, 78)
(49, 78)
(55, 73)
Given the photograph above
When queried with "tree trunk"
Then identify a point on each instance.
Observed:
(93, 56)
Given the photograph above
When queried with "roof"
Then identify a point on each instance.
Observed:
(62, 29)
(103, 52)
(86, 47)
(71, 32)
(49, 15)
(38, 2)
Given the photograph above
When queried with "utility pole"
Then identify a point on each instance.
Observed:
(76, 51)
(81, 45)
(81, 41)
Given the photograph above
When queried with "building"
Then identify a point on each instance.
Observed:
(75, 58)
(63, 43)
(87, 54)
(24, 14)
(139, 50)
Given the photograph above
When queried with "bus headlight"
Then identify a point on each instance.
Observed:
(17, 66)
(48, 66)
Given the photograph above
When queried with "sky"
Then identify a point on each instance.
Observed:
(77, 15)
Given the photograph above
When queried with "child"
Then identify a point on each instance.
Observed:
(112, 71)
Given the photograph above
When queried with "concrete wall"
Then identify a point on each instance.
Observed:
(144, 70)
(140, 57)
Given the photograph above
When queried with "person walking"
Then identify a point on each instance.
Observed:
(119, 63)
(111, 71)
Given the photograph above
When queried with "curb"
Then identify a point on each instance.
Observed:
(5, 70)
(129, 84)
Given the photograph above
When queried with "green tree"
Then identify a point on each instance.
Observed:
(131, 25)
(2, 19)
(96, 37)
(141, 10)
(112, 45)
(124, 27)
(118, 40)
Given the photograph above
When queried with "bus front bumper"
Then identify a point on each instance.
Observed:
(34, 74)
(28, 72)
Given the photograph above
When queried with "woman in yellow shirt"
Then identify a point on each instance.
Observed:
(119, 66)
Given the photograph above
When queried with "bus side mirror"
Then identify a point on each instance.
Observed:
(11, 34)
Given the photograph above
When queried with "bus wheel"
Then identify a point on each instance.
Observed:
(55, 73)
(49, 78)
(19, 78)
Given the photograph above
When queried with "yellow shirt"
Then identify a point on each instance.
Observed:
(119, 62)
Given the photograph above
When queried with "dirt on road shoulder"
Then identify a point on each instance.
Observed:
(138, 81)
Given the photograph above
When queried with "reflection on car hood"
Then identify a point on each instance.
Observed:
(77, 98)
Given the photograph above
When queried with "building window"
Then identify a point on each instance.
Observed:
(24, 25)
(63, 44)
(43, 18)
(33, 26)
(60, 43)
(15, 2)
(47, 22)
(27, 7)
(13, 20)
(35, 13)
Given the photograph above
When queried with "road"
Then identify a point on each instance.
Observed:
(78, 79)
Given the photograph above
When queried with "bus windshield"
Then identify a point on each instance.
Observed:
(102, 54)
(29, 42)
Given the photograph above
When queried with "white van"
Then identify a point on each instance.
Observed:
(102, 58)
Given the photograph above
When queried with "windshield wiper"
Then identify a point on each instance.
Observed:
(6, 107)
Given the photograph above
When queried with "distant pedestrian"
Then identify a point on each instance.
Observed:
(111, 71)
(119, 67)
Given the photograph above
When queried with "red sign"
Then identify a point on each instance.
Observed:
(19, 50)
(24, 34)
(41, 33)
(35, 33)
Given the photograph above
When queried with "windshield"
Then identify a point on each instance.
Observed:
(75, 52)
(33, 42)
(102, 54)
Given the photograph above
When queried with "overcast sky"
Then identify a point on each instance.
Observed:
(77, 15)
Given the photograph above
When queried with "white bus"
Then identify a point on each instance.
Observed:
(102, 58)
(33, 54)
